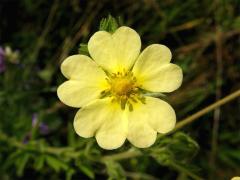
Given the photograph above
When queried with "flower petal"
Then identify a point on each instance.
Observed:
(140, 133)
(166, 78)
(115, 52)
(101, 49)
(90, 118)
(147, 119)
(81, 67)
(128, 44)
(86, 83)
(78, 93)
(159, 114)
(112, 134)
(155, 54)
(163, 117)
(154, 72)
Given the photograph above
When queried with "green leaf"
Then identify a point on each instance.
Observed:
(69, 174)
(21, 163)
(108, 24)
(39, 162)
(115, 170)
(183, 147)
(83, 49)
(87, 171)
(55, 163)
(85, 167)
(175, 151)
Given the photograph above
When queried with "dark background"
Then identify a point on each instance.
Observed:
(204, 37)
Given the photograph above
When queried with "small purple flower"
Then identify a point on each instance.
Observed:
(40, 126)
(2, 60)
(43, 128)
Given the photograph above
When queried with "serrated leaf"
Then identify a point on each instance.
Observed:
(176, 152)
(180, 147)
(108, 24)
(183, 147)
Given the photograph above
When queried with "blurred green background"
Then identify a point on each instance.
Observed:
(37, 140)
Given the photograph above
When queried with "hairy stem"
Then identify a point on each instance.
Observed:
(123, 155)
(207, 109)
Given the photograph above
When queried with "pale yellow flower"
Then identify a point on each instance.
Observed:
(236, 178)
(109, 87)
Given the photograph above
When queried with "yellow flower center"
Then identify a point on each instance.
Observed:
(124, 89)
(122, 86)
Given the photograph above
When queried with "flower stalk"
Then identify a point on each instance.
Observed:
(207, 109)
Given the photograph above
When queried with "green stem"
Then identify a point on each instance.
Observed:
(123, 155)
(207, 109)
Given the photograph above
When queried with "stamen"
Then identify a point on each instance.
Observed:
(130, 107)
(123, 89)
